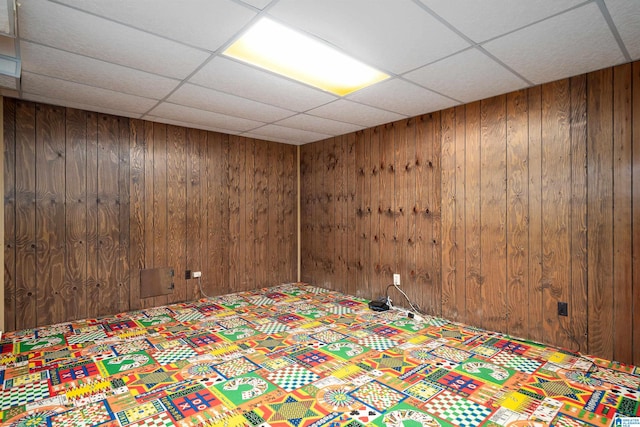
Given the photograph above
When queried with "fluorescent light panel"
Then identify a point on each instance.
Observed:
(279, 49)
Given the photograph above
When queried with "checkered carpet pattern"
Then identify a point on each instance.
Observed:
(296, 355)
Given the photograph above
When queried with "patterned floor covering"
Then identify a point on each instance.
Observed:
(295, 356)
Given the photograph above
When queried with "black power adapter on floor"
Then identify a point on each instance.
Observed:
(378, 306)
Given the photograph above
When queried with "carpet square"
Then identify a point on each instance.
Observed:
(407, 415)
(465, 413)
(244, 388)
(24, 393)
(171, 355)
(89, 415)
(377, 342)
(378, 395)
(292, 377)
(236, 367)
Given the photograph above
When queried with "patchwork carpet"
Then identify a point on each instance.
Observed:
(296, 355)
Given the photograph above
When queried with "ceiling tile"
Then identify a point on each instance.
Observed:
(188, 124)
(81, 69)
(271, 138)
(467, 76)
(626, 17)
(206, 24)
(68, 29)
(402, 97)
(233, 77)
(481, 20)
(212, 100)
(285, 134)
(205, 118)
(393, 35)
(73, 92)
(566, 45)
(260, 4)
(78, 105)
(352, 112)
(318, 124)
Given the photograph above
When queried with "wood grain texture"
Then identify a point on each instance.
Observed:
(338, 223)
(326, 191)
(195, 224)
(556, 204)
(600, 211)
(387, 207)
(317, 198)
(373, 171)
(425, 214)
(213, 254)
(92, 291)
(176, 212)
(220, 197)
(160, 198)
(95, 198)
(288, 258)
(473, 192)
(362, 208)
(622, 214)
(449, 221)
(222, 206)
(275, 219)
(310, 213)
(108, 220)
(237, 226)
(250, 216)
(261, 209)
(636, 210)
(578, 291)
(404, 197)
(25, 227)
(50, 213)
(123, 203)
(307, 228)
(137, 210)
(349, 217)
(149, 219)
(522, 192)
(461, 243)
(75, 268)
(517, 213)
(340, 210)
(493, 239)
(536, 290)
(436, 200)
(9, 113)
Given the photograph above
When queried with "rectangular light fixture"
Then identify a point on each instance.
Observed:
(274, 47)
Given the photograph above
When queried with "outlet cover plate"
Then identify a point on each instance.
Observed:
(563, 309)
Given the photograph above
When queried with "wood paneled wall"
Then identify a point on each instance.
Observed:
(90, 199)
(370, 207)
(493, 212)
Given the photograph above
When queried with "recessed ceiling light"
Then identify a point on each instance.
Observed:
(279, 49)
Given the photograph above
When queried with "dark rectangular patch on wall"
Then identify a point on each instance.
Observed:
(156, 281)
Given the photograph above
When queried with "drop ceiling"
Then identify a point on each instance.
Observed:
(160, 60)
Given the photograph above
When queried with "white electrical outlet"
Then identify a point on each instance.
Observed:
(396, 279)
(197, 274)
